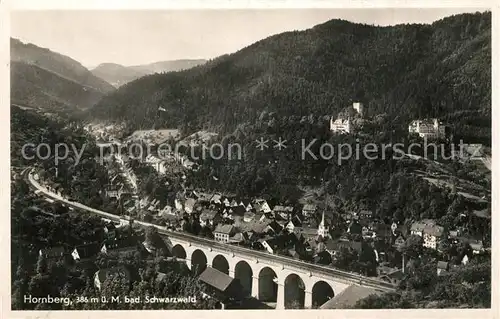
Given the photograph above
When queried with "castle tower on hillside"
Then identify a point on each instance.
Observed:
(358, 106)
(322, 228)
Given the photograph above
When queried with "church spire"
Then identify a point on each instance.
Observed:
(322, 229)
(322, 224)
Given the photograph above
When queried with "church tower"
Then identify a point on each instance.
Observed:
(322, 228)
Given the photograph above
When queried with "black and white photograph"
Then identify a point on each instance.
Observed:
(284, 158)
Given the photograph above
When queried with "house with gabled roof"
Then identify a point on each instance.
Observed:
(222, 287)
(216, 199)
(294, 222)
(284, 212)
(249, 207)
(167, 210)
(210, 218)
(393, 277)
(273, 244)
(222, 232)
(274, 226)
(261, 205)
(442, 267)
(348, 297)
(234, 203)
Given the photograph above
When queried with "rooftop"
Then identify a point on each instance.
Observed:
(349, 297)
(224, 229)
(309, 207)
(216, 279)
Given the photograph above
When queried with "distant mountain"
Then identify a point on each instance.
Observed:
(56, 63)
(118, 75)
(406, 71)
(168, 66)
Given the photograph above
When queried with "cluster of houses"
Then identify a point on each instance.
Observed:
(104, 133)
(111, 239)
(300, 231)
(121, 177)
(117, 240)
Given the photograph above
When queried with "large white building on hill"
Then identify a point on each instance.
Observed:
(428, 128)
(340, 125)
(344, 125)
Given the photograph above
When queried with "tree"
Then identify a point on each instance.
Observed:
(345, 259)
(413, 246)
(367, 261)
(41, 265)
(445, 247)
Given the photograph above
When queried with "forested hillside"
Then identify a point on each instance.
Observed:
(56, 63)
(36, 87)
(404, 71)
(50, 81)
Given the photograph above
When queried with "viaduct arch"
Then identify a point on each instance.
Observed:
(265, 279)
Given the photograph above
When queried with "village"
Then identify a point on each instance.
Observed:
(312, 232)
(309, 232)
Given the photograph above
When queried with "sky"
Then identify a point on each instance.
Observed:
(140, 37)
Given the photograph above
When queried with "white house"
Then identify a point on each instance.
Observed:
(432, 235)
(222, 233)
(340, 125)
(427, 128)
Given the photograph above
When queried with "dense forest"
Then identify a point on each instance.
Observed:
(84, 182)
(405, 71)
(56, 63)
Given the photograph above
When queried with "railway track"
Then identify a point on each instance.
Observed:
(352, 277)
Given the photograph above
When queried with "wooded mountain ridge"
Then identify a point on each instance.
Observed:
(41, 78)
(405, 71)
